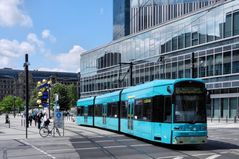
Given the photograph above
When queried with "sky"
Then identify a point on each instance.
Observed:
(53, 32)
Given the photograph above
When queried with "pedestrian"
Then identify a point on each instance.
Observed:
(30, 120)
(7, 119)
(39, 118)
(35, 119)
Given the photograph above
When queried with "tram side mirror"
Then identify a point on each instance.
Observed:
(208, 97)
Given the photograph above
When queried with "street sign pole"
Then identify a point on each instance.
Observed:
(26, 64)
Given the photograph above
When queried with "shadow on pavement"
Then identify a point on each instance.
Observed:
(210, 145)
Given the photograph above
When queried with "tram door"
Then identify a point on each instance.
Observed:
(130, 114)
(85, 114)
(104, 113)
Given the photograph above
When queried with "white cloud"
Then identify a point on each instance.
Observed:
(11, 14)
(33, 39)
(70, 61)
(51, 69)
(46, 34)
(10, 51)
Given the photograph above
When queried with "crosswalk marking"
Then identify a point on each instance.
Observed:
(213, 156)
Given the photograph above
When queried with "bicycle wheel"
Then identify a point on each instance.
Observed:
(58, 132)
(44, 132)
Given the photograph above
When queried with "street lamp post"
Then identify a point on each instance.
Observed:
(26, 64)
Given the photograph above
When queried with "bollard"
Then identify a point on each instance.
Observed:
(226, 119)
(9, 123)
(211, 119)
(219, 119)
(235, 119)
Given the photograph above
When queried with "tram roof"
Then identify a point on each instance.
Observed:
(85, 101)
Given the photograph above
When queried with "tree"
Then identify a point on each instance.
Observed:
(64, 99)
(72, 92)
(33, 98)
(8, 102)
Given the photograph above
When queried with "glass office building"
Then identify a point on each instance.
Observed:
(165, 51)
(121, 18)
(132, 16)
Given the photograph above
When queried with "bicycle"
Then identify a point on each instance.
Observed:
(45, 131)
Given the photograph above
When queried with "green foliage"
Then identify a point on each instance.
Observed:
(8, 102)
(67, 95)
(64, 99)
(72, 92)
(33, 99)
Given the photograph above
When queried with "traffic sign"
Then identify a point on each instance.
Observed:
(58, 115)
(58, 119)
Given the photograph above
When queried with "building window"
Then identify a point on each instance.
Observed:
(218, 64)
(235, 63)
(187, 68)
(227, 62)
(174, 43)
(236, 23)
(180, 69)
(181, 41)
(187, 39)
(228, 26)
(233, 107)
(210, 65)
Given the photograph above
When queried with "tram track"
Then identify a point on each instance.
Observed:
(209, 154)
(182, 154)
(111, 138)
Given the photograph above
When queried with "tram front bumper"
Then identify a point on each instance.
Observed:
(181, 140)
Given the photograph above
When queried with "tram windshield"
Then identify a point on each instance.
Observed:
(190, 105)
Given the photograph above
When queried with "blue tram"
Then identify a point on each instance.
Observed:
(166, 111)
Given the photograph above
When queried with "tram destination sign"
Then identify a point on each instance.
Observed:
(188, 90)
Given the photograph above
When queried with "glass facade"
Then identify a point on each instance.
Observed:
(132, 16)
(121, 18)
(166, 51)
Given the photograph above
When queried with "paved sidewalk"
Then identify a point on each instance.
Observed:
(17, 129)
(222, 124)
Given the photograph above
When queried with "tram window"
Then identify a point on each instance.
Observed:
(147, 109)
(158, 105)
(80, 111)
(167, 109)
(98, 110)
(112, 109)
(124, 107)
(90, 110)
(85, 111)
(143, 109)
(137, 109)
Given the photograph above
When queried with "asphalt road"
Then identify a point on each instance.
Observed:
(86, 142)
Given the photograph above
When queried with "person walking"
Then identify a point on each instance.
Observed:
(7, 119)
(30, 120)
(39, 118)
